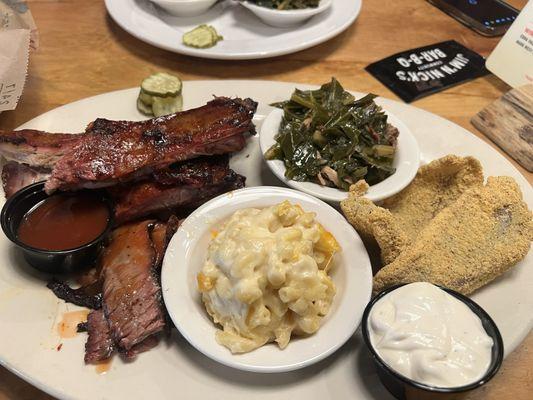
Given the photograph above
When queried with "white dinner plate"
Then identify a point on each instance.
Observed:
(186, 255)
(245, 35)
(406, 162)
(29, 312)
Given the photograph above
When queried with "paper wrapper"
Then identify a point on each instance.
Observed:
(17, 34)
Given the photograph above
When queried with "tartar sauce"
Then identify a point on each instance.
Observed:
(429, 336)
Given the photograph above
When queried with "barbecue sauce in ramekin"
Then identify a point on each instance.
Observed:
(64, 222)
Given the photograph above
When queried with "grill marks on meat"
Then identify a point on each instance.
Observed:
(120, 151)
(36, 148)
(100, 344)
(184, 185)
(15, 176)
(131, 293)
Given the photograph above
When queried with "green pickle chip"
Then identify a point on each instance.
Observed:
(202, 37)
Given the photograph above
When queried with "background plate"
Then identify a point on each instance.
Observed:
(29, 312)
(245, 36)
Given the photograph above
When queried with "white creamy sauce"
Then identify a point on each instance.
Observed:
(429, 336)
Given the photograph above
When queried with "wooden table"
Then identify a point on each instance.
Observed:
(84, 53)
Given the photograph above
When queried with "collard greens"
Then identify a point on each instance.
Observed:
(328, 137)
(286, 4)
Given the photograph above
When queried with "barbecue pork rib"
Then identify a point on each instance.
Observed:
(36, 148)
(131, 292)
(180, 186)
(15, 176)
(120, 151)
(184, 185)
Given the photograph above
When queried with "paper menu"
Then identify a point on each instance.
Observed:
(17, 33)
(512, 59)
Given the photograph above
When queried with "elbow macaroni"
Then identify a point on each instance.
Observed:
(266, 276)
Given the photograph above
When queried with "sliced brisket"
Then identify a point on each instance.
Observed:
(89, 296)
(100, 344)
(131, 293)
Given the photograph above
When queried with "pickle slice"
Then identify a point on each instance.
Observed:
(146, 98)
(166, 105)
(202, 37)
(144, 108)
(162, 85)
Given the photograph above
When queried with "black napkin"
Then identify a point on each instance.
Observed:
(419, 72)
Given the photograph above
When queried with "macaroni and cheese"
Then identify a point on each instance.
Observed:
(266, 276)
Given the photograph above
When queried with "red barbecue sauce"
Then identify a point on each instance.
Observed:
(64, 222)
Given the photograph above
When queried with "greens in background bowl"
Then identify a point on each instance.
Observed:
(328, 137)
(286, 13)
(286, 4)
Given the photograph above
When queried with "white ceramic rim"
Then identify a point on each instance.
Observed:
(347, 308)
(183, 8)
(407, 161)
(115, 11)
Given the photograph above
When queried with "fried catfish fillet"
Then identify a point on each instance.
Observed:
(436, 186)
(375, 222)
(468, 244)
(396, 224)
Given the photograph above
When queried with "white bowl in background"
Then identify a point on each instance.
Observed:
(285, 18)
(185, 8)
(406, 162)
(186, 255)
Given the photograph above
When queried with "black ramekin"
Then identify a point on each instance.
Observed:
(402, 387)
(50, 261)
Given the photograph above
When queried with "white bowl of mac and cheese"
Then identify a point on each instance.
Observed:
(266, 279)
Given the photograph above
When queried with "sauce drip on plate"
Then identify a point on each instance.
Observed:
(64, 222)
(68, 327)
(103, 367)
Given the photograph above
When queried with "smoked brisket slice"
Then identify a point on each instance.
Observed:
(147, 344)
(131, 292)
(89, 296)
(161, 235)
(100, 344)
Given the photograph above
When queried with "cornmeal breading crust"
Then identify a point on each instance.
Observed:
(375, 222)
(468, 244)
(445, 227)
(436, 185)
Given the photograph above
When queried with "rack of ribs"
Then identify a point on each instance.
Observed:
(112, 152)
(121, 151)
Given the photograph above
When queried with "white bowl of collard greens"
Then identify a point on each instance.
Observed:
(323, 141)
(286, 13)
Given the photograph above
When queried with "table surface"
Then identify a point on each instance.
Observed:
(83, 53)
